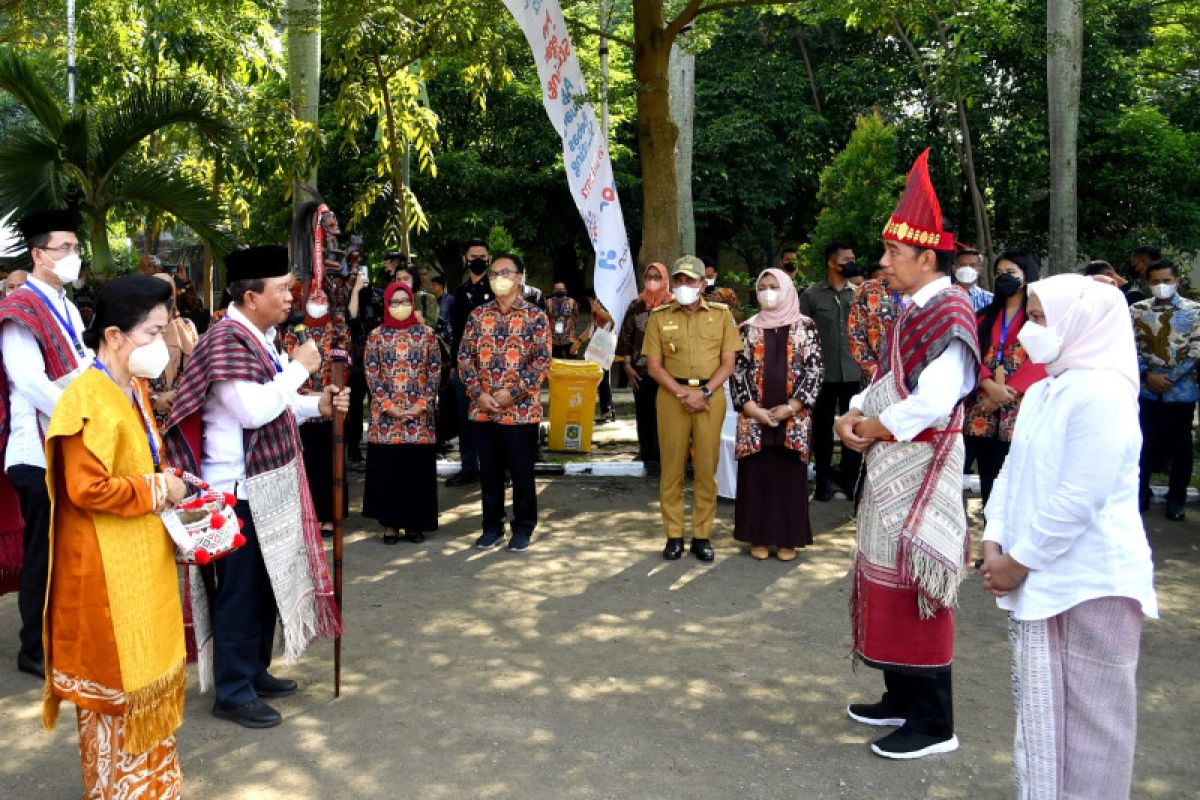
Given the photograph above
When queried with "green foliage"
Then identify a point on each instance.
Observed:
(85, 156)
(858, 192)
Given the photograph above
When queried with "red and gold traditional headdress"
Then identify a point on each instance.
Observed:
(917, 220)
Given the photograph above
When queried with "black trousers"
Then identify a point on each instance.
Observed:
(925, 700)
(468, 431)
(833, 399)
(510, 449)
(243, 618)
(604, 402)
(991, 452)
(561, 351)
(646, 409)
(30, 485)
(354, 417)
(1167, 436)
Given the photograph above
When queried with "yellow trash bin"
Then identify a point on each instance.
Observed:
(573, 386)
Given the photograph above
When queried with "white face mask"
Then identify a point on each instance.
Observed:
(149, 360)
(316, 310)
(67, 269)
(1164, 291)
(1042, 344)
(768, 298)
(710, 281)
(686, 295)
(966, 275)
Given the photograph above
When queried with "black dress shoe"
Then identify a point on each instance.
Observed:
(271, 687)
(824, 492)
(1175, 511)
(703, 549)
(31, 666)
(416, 537)
(255, 714)
(463, 477)
(674, 550)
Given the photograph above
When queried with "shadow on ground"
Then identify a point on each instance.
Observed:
(589, 668)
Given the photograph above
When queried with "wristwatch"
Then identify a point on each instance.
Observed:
(707, 392)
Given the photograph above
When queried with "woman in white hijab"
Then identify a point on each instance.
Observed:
(1065, 552)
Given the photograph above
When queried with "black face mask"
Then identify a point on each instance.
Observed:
(1008, 285)
(560, 293)
(478, 266)
(851, 270)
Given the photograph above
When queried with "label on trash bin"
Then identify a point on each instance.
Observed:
(573, 436)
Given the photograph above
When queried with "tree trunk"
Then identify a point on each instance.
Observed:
(808, 68)
(207, 286)
(102, 260)
(656, 134)
(1064, 66)
(683, 107)
(304, 73)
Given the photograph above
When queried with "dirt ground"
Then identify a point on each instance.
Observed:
(589, 668)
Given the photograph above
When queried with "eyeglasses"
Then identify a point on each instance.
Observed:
(503, 273)
(65, 249)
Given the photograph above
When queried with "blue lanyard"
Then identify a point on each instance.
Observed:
(137, 401)
(274, 360)
(1005, 324)
(64, 321)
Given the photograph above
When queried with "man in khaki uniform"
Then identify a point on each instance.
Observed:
(689, 348)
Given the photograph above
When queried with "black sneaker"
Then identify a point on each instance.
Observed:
(1175, 511)
(824, 492)
(905, 745)
(255, 714)
(519, 543)
(883, 714)
(490, 541)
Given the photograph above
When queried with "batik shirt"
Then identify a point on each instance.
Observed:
(871, 314)
(1019, 373)
(980, 298)
(333, 335)
(633, 332)
(403, 368)
(1168, 343)
(506, 350)
(564, 318)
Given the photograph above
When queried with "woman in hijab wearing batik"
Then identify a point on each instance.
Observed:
(1065, 552)
(656, 291)
(402, 362)
(775, 383)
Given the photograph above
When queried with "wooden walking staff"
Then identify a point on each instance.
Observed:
(340, 361)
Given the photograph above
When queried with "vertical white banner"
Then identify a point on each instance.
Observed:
(585, 153)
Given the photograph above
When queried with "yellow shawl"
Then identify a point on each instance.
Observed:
(138, 564)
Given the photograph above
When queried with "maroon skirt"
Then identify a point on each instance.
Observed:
(771, 507)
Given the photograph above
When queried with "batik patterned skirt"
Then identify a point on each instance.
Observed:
(111, 773)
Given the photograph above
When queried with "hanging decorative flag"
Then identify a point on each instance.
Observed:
(585, 152)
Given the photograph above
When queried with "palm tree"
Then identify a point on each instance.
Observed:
(91, 157)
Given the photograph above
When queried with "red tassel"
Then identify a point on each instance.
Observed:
(202, 557)
(216, 521)
(238, 539)
(230, 500)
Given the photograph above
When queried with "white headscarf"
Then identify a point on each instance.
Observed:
(1092, 319)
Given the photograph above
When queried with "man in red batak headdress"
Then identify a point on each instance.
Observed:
(912, 528)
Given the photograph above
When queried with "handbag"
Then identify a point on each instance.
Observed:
(204, 526)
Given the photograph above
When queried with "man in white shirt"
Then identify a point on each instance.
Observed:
(41, 338)
(234, 423)
(912, 529)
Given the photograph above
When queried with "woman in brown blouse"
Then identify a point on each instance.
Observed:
(774, 386)
(655, 292)
(402, 363)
